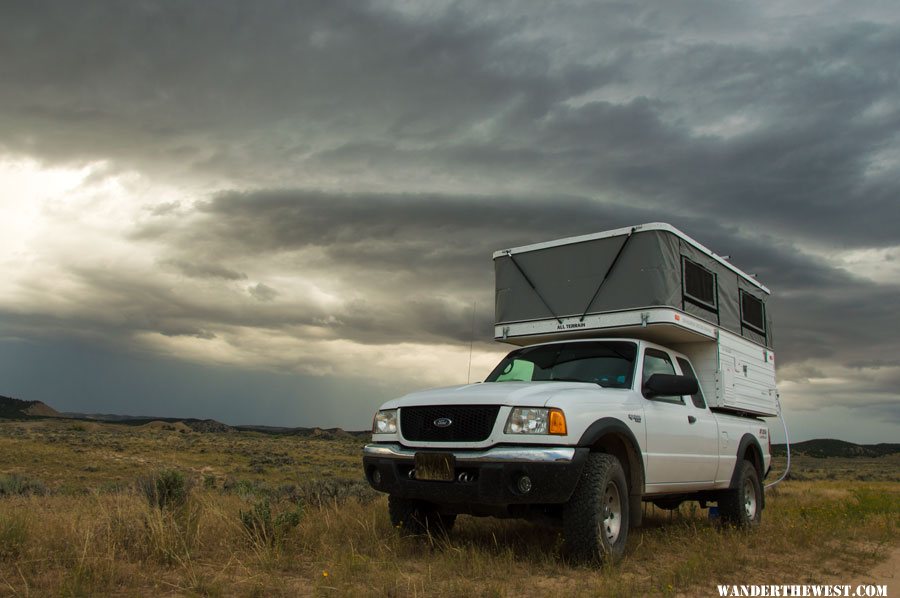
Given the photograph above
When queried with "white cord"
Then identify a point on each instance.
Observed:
(787, 443)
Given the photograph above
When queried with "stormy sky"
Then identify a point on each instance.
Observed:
(284, 212)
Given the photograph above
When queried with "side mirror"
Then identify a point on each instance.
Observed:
(664, 385)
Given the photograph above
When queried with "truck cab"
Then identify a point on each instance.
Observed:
(518, 444)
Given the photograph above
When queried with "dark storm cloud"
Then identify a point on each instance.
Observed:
(262, 292)
(821, 113)
(91, 379)
(866, 393)
(235, 85)
(405, 255)
(472, 98)
(443, 227)
(376, 153)
(412, 266)
(201, 270)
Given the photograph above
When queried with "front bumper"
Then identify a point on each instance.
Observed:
(491, 478)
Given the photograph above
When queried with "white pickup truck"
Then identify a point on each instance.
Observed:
(645, 365)
(577, 431)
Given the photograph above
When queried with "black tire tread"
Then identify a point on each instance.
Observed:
(581, 518)
(731, 503)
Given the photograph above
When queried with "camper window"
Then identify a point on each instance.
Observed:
(753, 313)
(699, 284)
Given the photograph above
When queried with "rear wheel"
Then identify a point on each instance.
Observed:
(595, 520)
(416, 518)
(742, 506)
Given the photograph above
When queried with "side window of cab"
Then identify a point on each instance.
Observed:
(688, 371)
(659, 362)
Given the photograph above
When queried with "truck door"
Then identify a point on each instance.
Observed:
(706, 427)
(679, 451)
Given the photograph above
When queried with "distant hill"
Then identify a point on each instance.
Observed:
(108, 417)
(830, 447)
(211, 425)
(17, 409)
(312, 432)
(197, 425)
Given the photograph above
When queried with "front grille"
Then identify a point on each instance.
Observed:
(470, 423)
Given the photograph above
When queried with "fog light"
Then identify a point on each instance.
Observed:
(376, 477)
(524, 484)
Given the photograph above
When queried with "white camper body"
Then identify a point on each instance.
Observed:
(735, 367)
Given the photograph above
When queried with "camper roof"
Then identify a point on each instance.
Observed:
(661, 226)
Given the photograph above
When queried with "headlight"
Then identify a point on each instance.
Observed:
(532, 420)
(385, 422)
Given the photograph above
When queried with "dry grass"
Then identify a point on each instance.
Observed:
(69, 456)
(260, 538)
(857, 469)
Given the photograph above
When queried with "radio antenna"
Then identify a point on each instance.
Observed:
(471, 343)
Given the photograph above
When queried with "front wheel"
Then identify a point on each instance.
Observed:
(416, 518)
(742, 506)
(595, 520)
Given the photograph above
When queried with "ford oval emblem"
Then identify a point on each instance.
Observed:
(443, 422)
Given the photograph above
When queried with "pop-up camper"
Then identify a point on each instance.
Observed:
(652, 282)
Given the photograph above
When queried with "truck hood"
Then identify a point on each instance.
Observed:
(521, 394)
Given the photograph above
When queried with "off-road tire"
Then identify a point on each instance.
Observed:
(596, 518)
(742, 506)
(417, 518)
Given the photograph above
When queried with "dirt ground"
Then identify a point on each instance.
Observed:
(885, 573)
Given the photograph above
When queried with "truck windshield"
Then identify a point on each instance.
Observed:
(607, 363)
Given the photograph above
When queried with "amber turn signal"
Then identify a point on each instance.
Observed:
(557, 422)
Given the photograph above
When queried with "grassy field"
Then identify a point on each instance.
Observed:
(269, 515)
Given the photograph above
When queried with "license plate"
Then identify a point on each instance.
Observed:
(435, 466)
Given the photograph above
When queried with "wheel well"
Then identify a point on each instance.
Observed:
(619, 447)
(612, 436)
(749, 451)
(753, 454)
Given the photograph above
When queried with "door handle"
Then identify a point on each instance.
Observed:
(691, 419)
